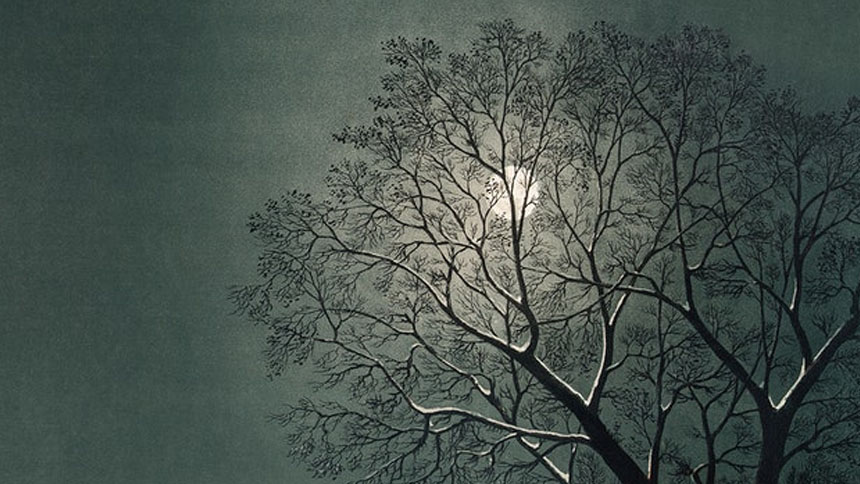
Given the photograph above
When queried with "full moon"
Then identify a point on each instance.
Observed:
(523, 189)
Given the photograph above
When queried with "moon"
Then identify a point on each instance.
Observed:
(521, 187)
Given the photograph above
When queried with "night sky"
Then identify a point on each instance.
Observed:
(136, 138)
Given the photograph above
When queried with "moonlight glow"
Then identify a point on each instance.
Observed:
(522, 188)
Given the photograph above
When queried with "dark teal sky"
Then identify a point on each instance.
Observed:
(135, 138)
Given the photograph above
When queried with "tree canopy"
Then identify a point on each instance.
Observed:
(595, 259)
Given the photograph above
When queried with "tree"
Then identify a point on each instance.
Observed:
(541, 252)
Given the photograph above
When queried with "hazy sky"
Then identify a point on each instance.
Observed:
(136, 137)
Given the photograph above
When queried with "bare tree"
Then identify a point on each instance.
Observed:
(541, 251)
(764, 225)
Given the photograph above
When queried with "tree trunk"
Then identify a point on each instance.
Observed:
(654, 453)
(711, 476)
(774, 428)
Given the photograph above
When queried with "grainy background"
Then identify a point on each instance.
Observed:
(135, 138)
